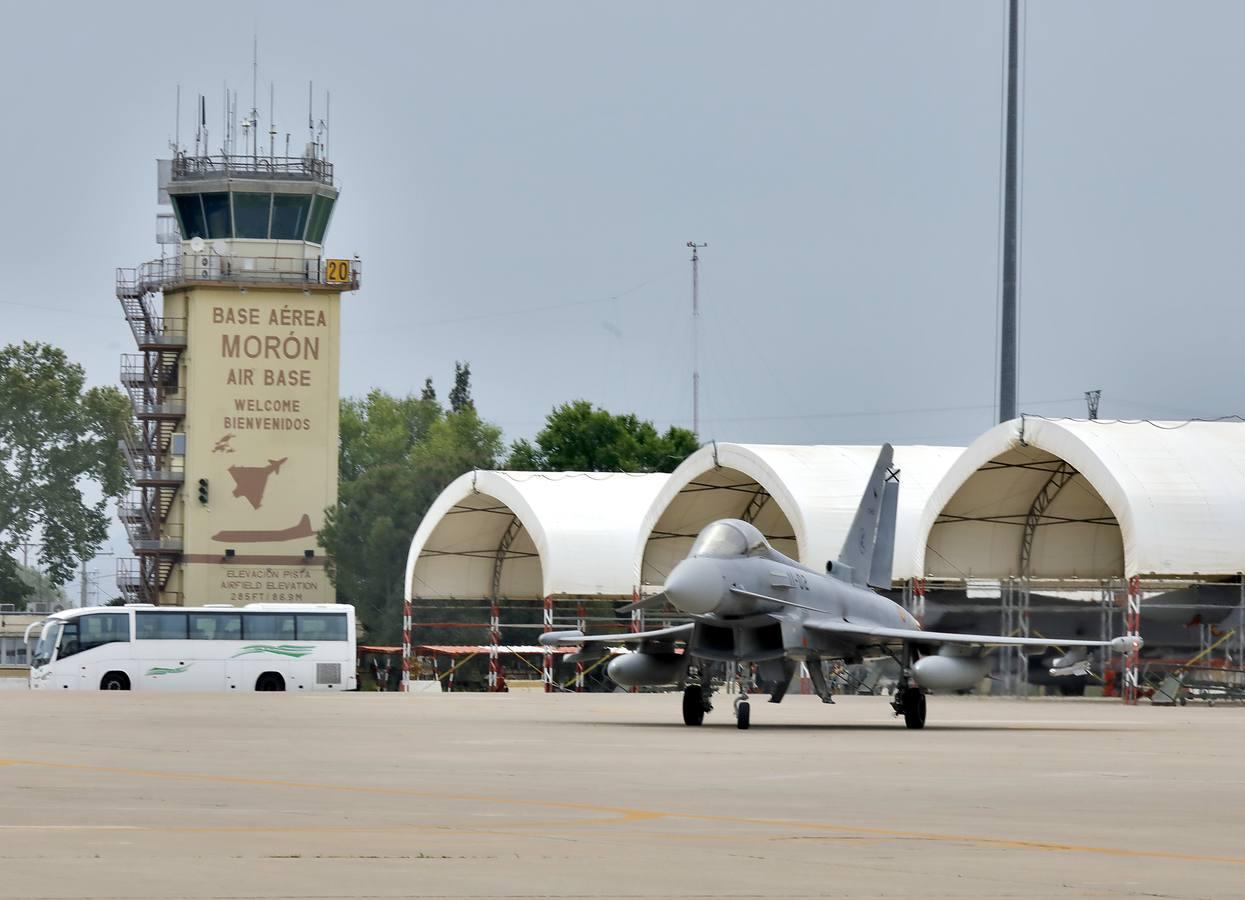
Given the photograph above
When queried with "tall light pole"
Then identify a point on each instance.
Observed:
(696, 335)
(1007, 319)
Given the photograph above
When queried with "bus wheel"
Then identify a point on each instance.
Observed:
(115, 681)
(270, 681)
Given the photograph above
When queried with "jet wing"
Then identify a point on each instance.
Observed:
(575, 638)
(916, 635)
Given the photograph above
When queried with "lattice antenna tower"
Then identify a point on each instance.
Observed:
(696, 248)
(1091, 403)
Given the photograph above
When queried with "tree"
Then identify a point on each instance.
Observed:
(397, 455)
(33, 586)
(460, 394)
(579, 437)
(380, 429)
(56, 438)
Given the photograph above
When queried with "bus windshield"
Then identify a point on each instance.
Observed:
(47, 643)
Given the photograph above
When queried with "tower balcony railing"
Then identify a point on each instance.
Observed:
(167, 540)
(142, 472)
(171, 271)
(169, 409)
(129, 575)
(235, 165)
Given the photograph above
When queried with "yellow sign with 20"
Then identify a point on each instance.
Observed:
(337, 271)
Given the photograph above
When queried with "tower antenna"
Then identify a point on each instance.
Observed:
(254, 118)
(177, 125)
(272, 121)
(1091, 402)
(696, 334)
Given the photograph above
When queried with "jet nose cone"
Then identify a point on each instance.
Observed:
(695, 587)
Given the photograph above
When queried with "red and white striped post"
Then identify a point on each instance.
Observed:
(918, 600)
(547, 672)
(637, 621)
(494, 646)
(406, 645)
(581, 622)
(1132, 657)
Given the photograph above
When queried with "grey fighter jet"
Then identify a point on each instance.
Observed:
(751, 605)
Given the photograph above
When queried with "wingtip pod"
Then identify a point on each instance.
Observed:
(1126, 643)
(555, 638)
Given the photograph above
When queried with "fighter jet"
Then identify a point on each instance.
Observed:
(751, 605)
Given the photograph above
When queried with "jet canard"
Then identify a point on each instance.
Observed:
(751, 605)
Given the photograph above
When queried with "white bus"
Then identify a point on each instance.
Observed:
(140, 647)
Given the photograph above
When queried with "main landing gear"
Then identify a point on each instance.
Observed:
(694, 705)
(910, 703)
(909, 699)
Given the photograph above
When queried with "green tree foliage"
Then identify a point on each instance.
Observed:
(579, 437)
(397, 454)
(56, 438)
(460, 394)
(35, 588)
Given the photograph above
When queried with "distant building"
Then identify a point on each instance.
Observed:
(235, 382)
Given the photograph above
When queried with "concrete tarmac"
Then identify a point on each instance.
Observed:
(528, 795)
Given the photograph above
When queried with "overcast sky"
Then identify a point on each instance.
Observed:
(520, 180)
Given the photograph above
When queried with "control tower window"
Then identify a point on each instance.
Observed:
(216, 211)
(190, 216)
(289, 216)
(250, 215)
(321, 209)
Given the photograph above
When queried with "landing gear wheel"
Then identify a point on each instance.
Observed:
(693, 705)
(914, 708)
(743, 715)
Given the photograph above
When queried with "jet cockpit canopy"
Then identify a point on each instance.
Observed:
(727, 538)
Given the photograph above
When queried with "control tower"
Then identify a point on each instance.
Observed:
(234, 386)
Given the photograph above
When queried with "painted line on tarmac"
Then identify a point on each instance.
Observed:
(622, 814)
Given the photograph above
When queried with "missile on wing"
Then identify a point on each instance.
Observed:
(949, 672)
(1074, 662)
(639, 669)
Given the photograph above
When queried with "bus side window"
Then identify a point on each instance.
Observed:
(215, 626)
(161, 626)
(230, 627)
(321, 627)
(268, 626)
(97, 629)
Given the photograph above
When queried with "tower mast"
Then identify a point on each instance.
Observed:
(696, 334)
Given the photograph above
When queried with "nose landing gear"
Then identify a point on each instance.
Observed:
(743, 713)
(743, 710)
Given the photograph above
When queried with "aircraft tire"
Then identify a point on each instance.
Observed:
(914, 708)
(743, 715)
(693, 705)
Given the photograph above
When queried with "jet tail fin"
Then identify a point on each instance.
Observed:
(884, 543)
(856, 559)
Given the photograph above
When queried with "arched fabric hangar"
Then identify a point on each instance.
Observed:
(803, 498)
(531, 535)
(1074, 499)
